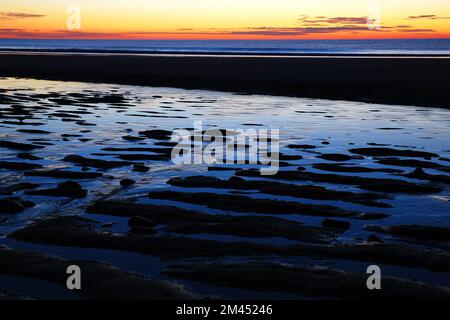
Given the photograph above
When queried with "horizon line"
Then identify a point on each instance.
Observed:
(216, 39)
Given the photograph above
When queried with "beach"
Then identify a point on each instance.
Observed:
(226, 158)
(88, 178)
(413, 80)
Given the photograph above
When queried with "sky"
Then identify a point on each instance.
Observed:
(225, 19)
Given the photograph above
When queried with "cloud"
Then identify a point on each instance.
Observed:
(423, 16)
(427, 16)
(261, 31)
(253, 31)
(57, 34)
(417, 30)
(307, 26)
(19, 15)
(332, 20)
(270, 31)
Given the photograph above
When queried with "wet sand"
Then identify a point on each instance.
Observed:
(87, 178)
(393, 80)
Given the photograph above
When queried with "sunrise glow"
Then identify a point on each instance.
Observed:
(225, 19)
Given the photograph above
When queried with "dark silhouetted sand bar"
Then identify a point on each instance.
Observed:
(413, 80)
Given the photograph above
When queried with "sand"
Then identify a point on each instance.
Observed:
(87, 174)
(421, 81)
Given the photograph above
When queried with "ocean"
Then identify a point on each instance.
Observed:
(264, 47)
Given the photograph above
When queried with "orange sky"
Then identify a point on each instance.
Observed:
(226, 19)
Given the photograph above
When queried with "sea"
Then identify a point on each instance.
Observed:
(256, 47)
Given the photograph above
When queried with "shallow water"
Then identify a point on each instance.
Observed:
(331, 126)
